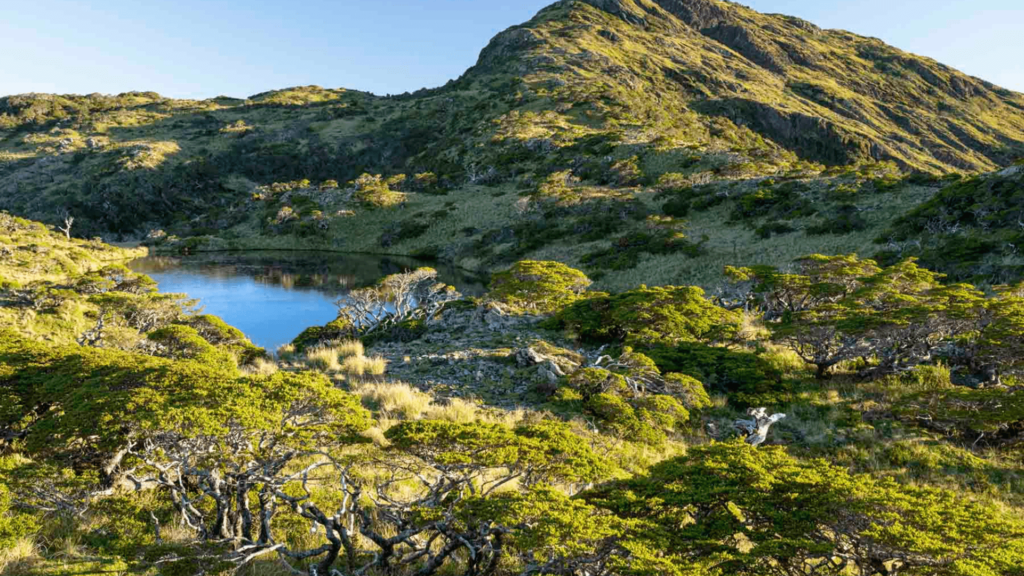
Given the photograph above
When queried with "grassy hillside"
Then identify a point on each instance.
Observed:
(973, 230)
(563, 141)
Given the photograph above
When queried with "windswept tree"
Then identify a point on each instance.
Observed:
(446, 493)
(232, 455)
(400, 298)
(999, 350)
(648, 316)
(843, 308)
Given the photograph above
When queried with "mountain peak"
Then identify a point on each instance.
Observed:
(827, 95)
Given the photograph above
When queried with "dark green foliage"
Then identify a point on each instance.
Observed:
(746, 377)
(588, 221)
(626, 251)
(845, 220)
(776, 228)
(647, 316)
(970, 230)
(784, 201)
(677, 207)
(337, 329)
(402, 231)
(992, 417)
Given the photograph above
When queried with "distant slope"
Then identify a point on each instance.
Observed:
(972, 230)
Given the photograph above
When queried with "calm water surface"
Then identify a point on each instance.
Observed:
(273, 296)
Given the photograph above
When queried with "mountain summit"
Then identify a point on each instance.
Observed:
(826, 95)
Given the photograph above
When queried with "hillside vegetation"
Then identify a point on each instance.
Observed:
(543, 428)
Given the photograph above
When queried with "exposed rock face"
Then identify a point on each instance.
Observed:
(508, 45)
(752, 45)
(817, 136)
(699, 14)
(624, 9)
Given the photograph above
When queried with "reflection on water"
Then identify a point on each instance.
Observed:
(273, 296)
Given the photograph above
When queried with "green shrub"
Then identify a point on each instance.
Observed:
(402, 231)
(775, 228)
(692, 392)
(375, 191)
(185, 343)
(846, 220)
(661, 237)
(539, 287)
(341, 328)
(405, 331)
(620, 410)
(687, 511)
(619, 417)
(221, 334)
(677, 207)
(13, 523)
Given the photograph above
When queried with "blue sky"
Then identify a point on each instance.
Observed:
(204, 48)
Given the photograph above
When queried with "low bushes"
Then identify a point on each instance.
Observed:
(375, 191)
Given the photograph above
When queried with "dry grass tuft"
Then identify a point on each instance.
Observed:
(346, 348)
(19, 558)
(261, 367)
(324, 359)
(360, 366)
(394, 399)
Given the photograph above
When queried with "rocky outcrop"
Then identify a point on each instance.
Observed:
(751, 46)
(624, 9)
(699, 14)
(815, 138)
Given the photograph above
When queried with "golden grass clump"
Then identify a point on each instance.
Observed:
(261, 367)
(359, 366)
(346, 348)
(324, 359)
(20, 557)
(394, 399)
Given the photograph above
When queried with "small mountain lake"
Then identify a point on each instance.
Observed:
(273, 296)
